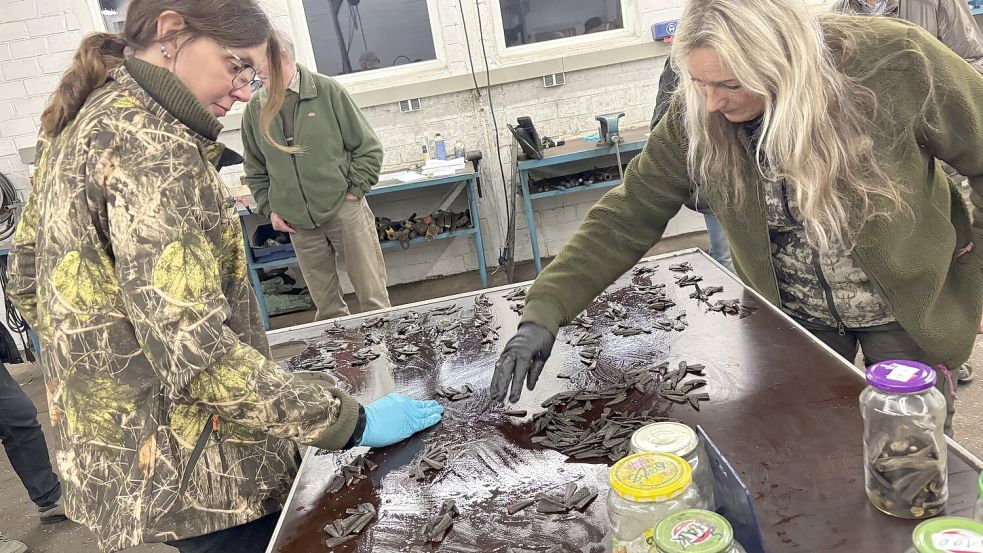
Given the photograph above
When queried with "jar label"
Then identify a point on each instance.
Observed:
(641, 544)
(958, 541)
(692, 532)
(901, 373)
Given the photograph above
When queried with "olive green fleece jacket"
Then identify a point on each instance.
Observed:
(932, 109)
(341, 154)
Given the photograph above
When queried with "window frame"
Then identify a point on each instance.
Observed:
(376, 79)
(630, 34)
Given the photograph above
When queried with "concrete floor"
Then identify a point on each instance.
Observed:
(18, 518)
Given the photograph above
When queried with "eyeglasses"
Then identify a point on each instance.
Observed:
(245, 74)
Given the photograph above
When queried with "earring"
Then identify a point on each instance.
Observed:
(165, 52)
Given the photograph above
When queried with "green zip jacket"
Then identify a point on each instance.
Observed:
(341, 154)
(936, 296)
(128, 261)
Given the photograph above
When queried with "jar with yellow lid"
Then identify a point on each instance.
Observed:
(678, 439)
(646, 488)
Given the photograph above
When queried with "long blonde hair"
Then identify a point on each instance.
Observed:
(816, 127)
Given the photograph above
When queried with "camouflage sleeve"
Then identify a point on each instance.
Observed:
(172, 290)
(254, 162)
(22, 286)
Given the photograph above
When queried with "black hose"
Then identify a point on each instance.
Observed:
(9, 205)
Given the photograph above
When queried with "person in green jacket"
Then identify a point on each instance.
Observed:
(172, 422)
(817, 142)
(315, 191)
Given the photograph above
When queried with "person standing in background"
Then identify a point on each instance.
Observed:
(316, 193)
(719, 247)
(950, 21)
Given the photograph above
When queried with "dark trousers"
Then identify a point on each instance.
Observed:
(883, 343)
(24, 443)
(252, 537)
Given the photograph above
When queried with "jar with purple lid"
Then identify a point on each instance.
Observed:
(904, 447)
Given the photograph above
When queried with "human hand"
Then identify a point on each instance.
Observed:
(522, 360)
(280, 225)
(396, 417)
(349, 197)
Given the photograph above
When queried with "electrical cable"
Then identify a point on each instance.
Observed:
(498, 141)
(351, 30)
(9, 207)
(360, 26)
(467, 41)
(617, 152)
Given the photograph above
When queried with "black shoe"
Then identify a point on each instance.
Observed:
(55, 513)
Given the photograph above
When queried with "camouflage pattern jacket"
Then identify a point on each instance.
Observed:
(129, 263)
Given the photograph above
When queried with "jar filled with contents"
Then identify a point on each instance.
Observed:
(947, 535)
(681, 440)
(904, 447)
(978, 515)
(695, 531)
(645, 488)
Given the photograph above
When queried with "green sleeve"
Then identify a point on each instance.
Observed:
(360, 140)
(618, 230)
(952, 128)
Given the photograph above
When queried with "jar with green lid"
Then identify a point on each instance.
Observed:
(947, 535)
(695, 531)
(978, 515)
(646, 488)
(678, 439)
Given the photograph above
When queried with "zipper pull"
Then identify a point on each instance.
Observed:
(215, 434)
(840, 329)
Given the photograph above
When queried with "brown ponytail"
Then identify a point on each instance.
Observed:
(97, 55)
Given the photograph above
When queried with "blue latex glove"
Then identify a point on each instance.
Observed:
(396, 417)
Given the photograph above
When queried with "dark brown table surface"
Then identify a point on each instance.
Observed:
(783, 411)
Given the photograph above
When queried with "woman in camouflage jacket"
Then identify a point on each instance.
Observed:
(172, 422)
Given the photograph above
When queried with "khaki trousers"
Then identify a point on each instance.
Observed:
(351, 235)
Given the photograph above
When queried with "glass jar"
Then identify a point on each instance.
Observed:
(695, 531)
(947, 535)
(978, 514)
(645, 488)
(681, 440)
(904, 448)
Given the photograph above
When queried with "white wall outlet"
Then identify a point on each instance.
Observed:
(556, 79)
(409, 105)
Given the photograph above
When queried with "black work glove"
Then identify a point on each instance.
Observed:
(523, 359)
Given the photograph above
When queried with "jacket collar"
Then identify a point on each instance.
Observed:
(308, 89)
(133, 92)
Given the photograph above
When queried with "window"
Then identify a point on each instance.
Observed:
(350, 37)
(531, 21)
(113, 14)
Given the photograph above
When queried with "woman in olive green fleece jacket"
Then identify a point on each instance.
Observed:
(173, 425)
(817, 143)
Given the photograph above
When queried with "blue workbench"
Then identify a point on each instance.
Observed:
(468, 176)
(572, 151)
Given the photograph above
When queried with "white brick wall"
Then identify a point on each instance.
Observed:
(38, 39)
